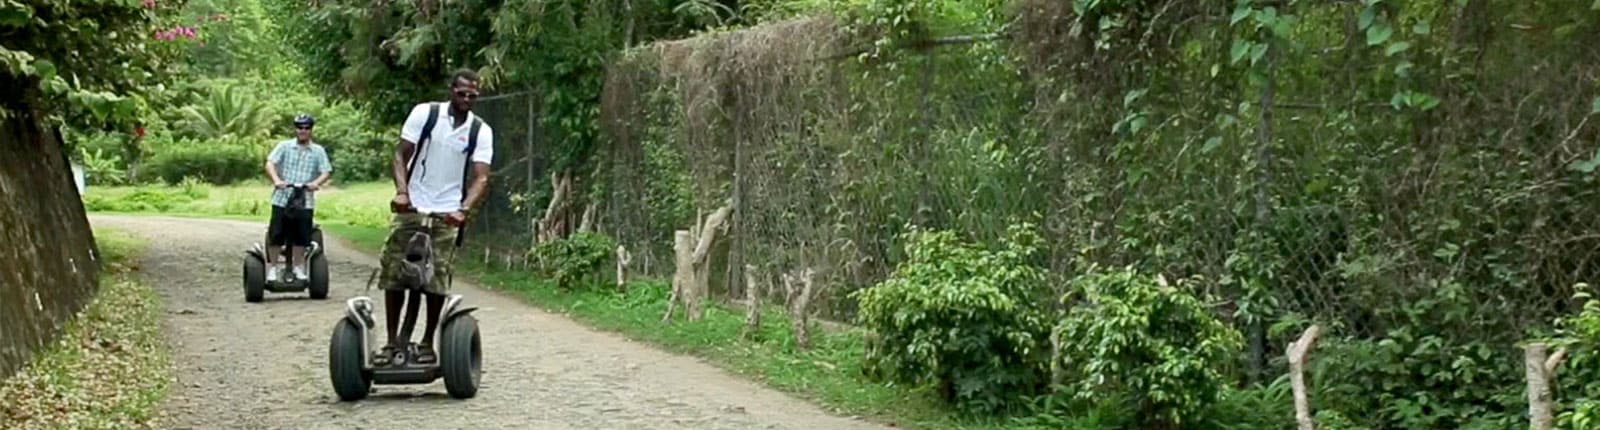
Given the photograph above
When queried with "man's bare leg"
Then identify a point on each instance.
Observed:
(392, 301)
(435, 305)
(298, 254)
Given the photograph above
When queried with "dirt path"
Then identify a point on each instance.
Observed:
(264, 365)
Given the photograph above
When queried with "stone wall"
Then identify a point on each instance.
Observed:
(48, 264)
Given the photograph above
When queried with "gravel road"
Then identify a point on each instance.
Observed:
(258, 366)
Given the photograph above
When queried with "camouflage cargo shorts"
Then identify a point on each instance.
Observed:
(400, 230)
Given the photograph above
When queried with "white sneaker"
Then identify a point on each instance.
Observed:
(272, 273)
(300, 273)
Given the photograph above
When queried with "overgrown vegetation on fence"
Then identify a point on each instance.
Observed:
(1414, 176)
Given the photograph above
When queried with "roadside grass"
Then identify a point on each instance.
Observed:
(829, 374)
(109, 369)
(359, 203)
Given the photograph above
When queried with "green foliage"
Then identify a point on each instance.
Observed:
(227, 112)
(222, 162)
(1133, 335)
(1421, 376)
(140, 200)
(575, 260)
(1578, 379)
(236, 38)
(960, 318)
(85, 62)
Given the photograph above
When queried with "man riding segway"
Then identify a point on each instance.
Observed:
(442, 145)
(298, 168)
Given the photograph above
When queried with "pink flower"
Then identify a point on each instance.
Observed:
(149, 4)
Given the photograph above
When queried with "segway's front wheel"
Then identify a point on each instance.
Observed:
(316, 237)
(461, 356)
(345, 364)
(319, 276)
(255, 279)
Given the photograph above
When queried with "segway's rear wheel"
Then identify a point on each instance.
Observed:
(319, 276)
(345, 364)
(255, 279)
(461, 356)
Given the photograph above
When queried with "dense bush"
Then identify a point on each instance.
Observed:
(960, 319)
(1134, 336)
(1420, 374)
(572, 261)
(219, 162)
(1579, 389)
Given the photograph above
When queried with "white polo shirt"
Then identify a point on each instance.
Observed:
(435, 184)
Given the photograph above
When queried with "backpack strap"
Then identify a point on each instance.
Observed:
(472, 146)
(466, 172)
(427, 134)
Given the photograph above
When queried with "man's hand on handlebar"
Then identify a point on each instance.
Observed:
(280, 184)
(401, 203)
(457, 218)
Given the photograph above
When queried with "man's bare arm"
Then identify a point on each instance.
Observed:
(272, 172)
(402, 158)
(322, 180)
(480, 183)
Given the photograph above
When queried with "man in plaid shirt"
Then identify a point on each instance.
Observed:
(294, 161)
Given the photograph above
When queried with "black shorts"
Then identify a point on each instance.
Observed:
(291, 226)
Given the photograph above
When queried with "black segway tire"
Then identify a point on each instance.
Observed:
(316, 237)
(255, 279)
(350, 380)
(461, 357)
(319, 277)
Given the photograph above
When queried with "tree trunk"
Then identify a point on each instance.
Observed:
(1298, 352)
(554, 223)
(692, 278)
(587, 223)
(680, 278)
(752, 320)
(623, 259)
(1541, 372)
(801, 290)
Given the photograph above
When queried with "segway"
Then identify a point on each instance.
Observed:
(255, 263)
(352, 360)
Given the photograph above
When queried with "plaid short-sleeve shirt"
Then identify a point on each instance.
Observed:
(298, 164)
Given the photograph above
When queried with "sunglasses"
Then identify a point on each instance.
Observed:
(469, 95)
(303, 127)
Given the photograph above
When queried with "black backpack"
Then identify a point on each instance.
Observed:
(466, 170)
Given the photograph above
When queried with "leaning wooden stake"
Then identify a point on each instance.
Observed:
(1298, 352)
(752, 320)
(1541, 374)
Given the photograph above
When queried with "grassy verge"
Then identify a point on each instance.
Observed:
(109, 370)
(829, 374)
(359, 204)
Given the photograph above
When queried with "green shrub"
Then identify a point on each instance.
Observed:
(575, 259)
(1131, 335)
(1421, 373)
(1579, 377)
(221, 162)
(140, 200)
(961, 319)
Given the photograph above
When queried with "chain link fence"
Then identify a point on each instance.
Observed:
(501, 232)
(1338, 195)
